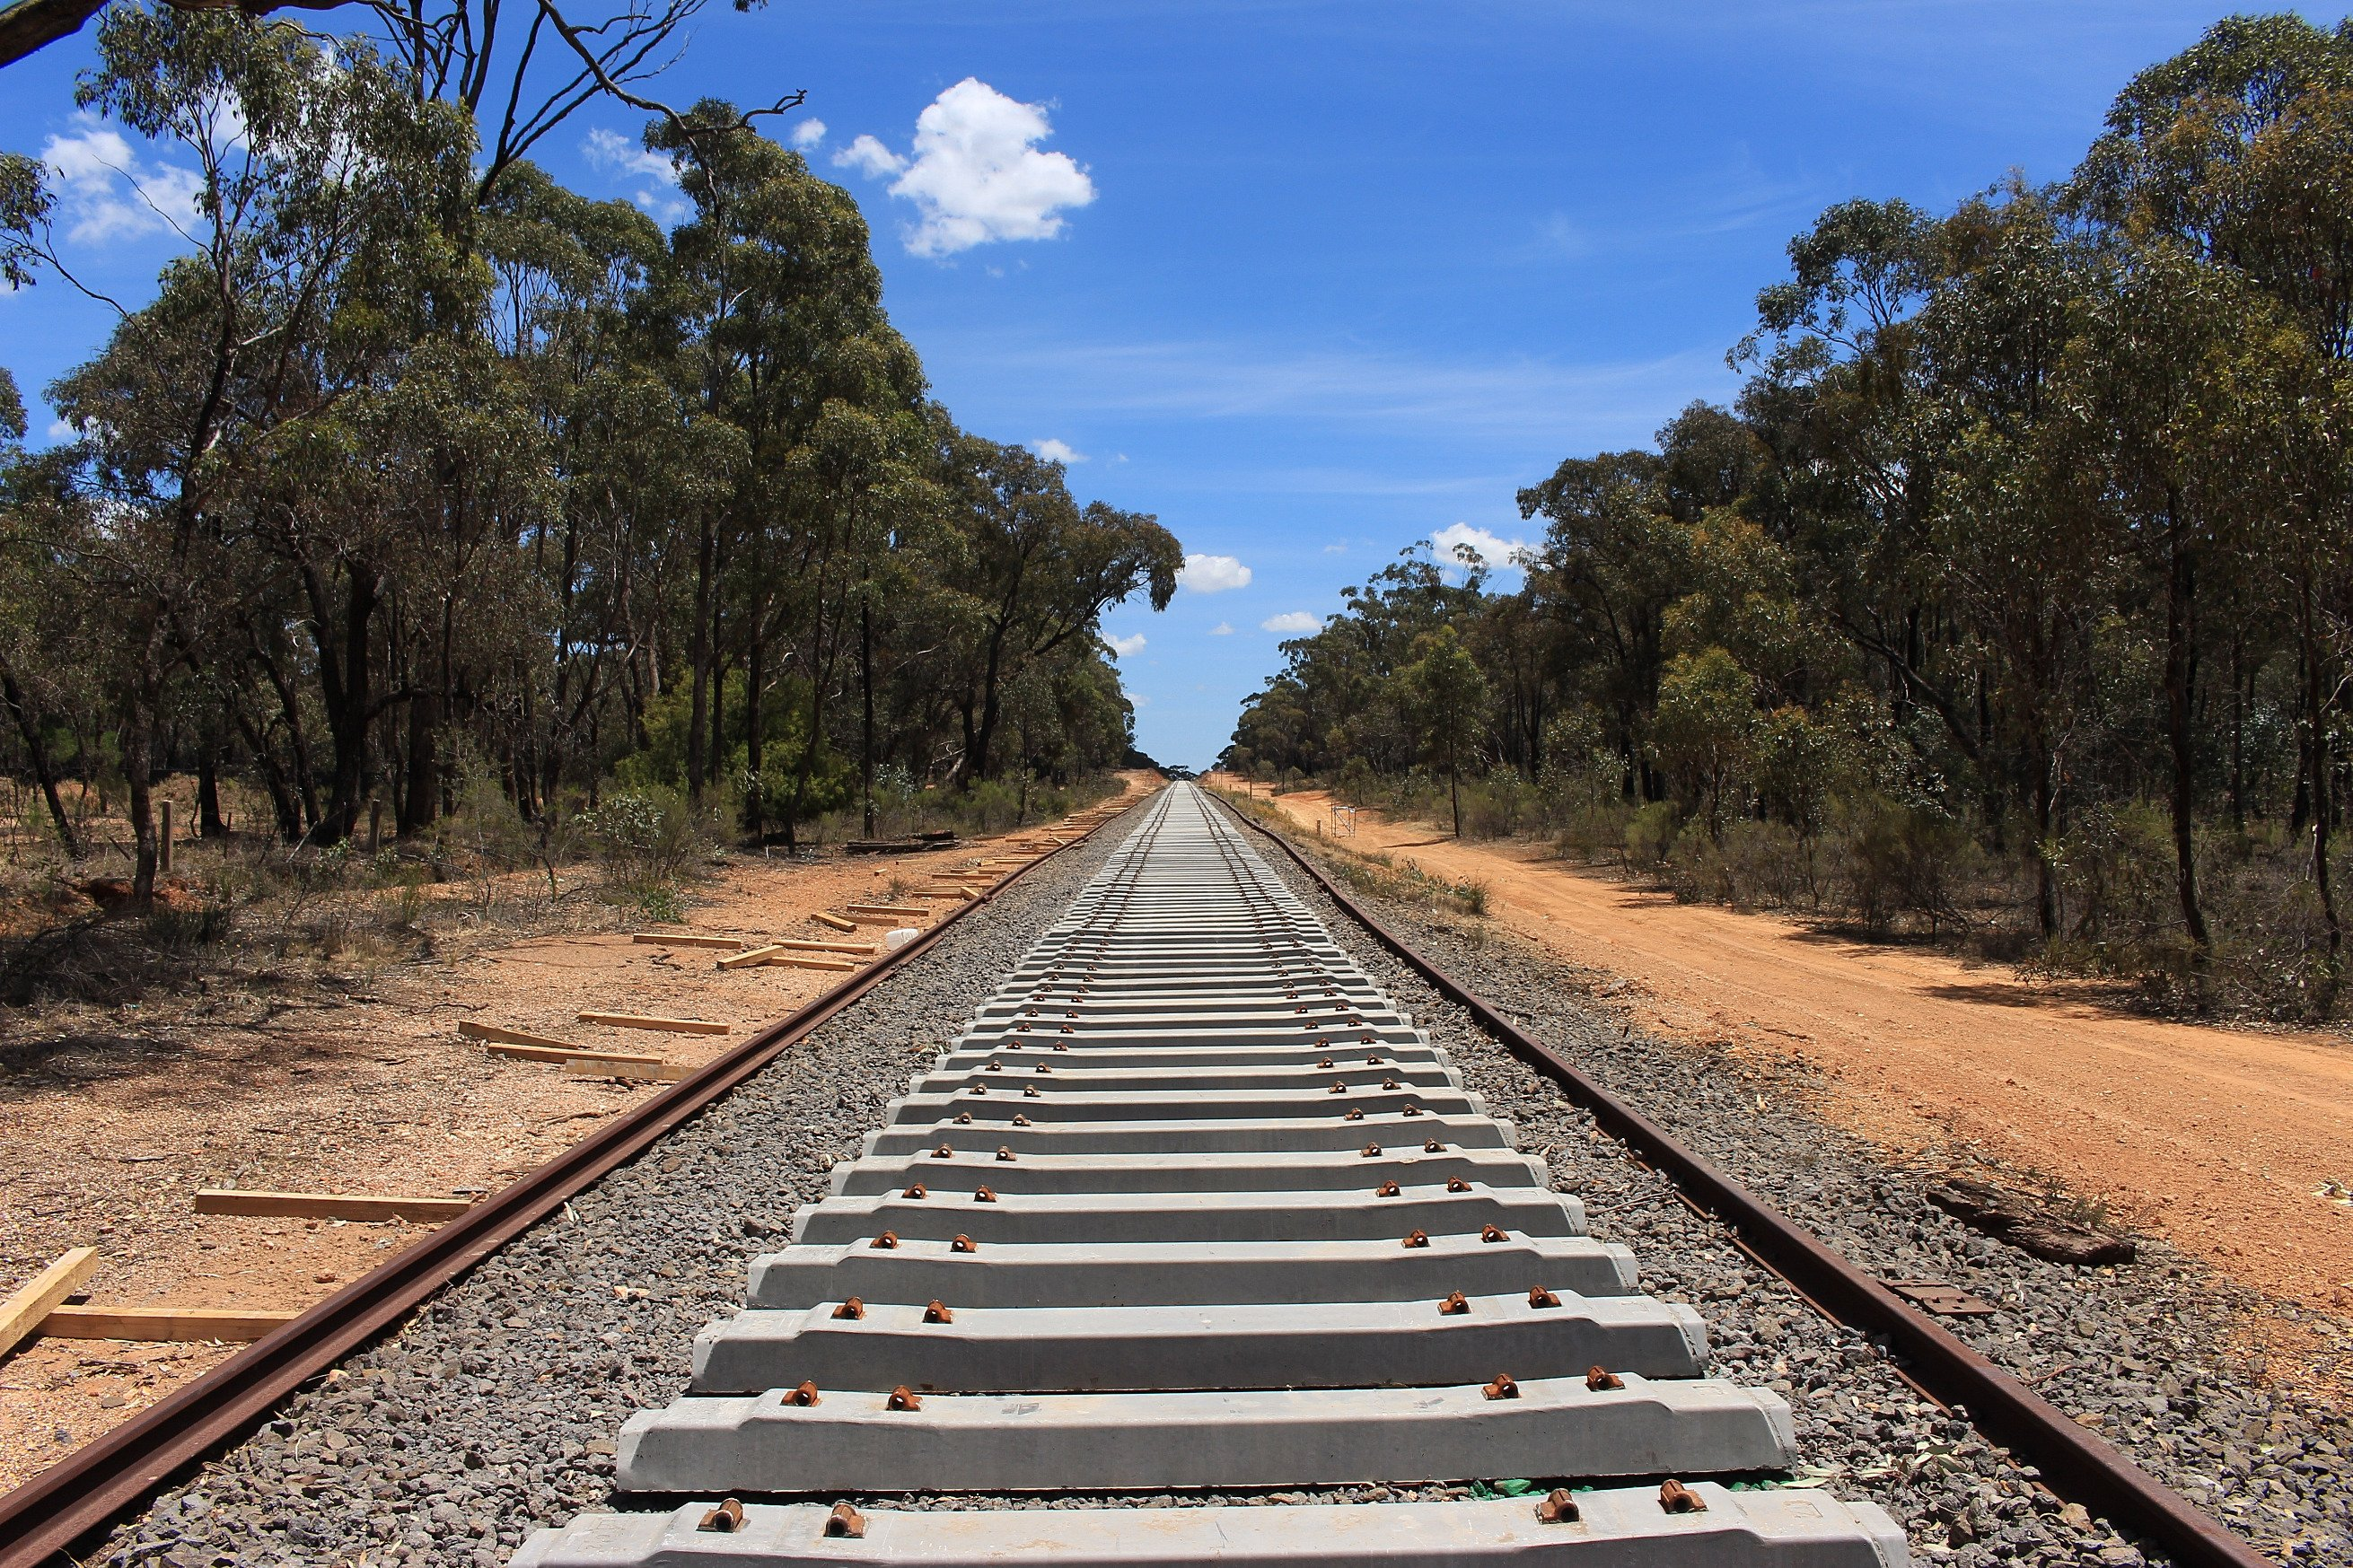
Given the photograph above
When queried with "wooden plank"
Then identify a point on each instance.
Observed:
(886, 910)
(811, 960)
(648, 1021)
(515, 1036)
(895, 920)
(634, 1070)
(553, 1053)
(861, 948)
(963, 893)
(683, 939)
(21, 1312)
(329, 1205)
(749, 957)
(836, 921)
(177, 1323)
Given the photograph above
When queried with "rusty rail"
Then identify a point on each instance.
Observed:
(41, 1519)
(2074, 1462)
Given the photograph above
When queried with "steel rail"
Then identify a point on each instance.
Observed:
(2074, 1462)
(43, 1518)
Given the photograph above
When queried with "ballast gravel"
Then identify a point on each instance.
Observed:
(492, 1412)
(2142, 1354)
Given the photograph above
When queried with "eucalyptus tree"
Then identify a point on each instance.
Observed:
(1036, 571)
(316, 261)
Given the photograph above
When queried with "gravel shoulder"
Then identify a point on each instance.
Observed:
(2163, 1357)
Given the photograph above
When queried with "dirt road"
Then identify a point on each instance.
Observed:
(2215, 1137)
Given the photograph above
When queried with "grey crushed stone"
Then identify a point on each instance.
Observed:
(2143, 1350)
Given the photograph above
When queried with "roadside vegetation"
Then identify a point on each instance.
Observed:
(2011, 604)
(435, 523)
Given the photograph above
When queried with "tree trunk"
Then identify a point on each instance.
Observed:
(352, 704)
(2316, 728)
(2046, 878)
(699, 659)
(416, 808)
(2180, 692)
(756, 670)
(45, 773)
(209, 812)
(866, 693)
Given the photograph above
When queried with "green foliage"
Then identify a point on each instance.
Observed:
(647, 838)
(1652, 832)
(2011, 599)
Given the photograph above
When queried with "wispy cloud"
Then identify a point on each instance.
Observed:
(1222, 629)
(654, 173)
(108, 191)
(1055, 452)
(1292, 624)
(1509, 398)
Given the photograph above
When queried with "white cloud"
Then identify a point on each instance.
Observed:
(107, 192)
(1222, 629)
(63, 430)
(1336, 550)
(976, 175)
(870, 158)
(1213, 573)
(1499, 554)
(1504, 401)
(808, 133)
(1057, 451)
(1122, 646)
(616, 153)
(626, 160)
(1292, 623)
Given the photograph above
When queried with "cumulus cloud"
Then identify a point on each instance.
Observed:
(1293, 622)
(1222, 629)
(870, 158)
(1122, 646)
(107, 192)
(808, 133)
(1213, 573)
(975, 173)
(1497, 553)
(1057, 451)
(626, 160)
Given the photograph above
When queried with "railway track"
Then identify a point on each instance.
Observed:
(1188, 1219)
(1190, 1205)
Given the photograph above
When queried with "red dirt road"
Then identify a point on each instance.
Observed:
(2215, 1139)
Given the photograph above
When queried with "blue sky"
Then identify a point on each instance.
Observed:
(1309, 281)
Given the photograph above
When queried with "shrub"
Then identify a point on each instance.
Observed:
(645, 837)
(1904, 859)
(1650, 833)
